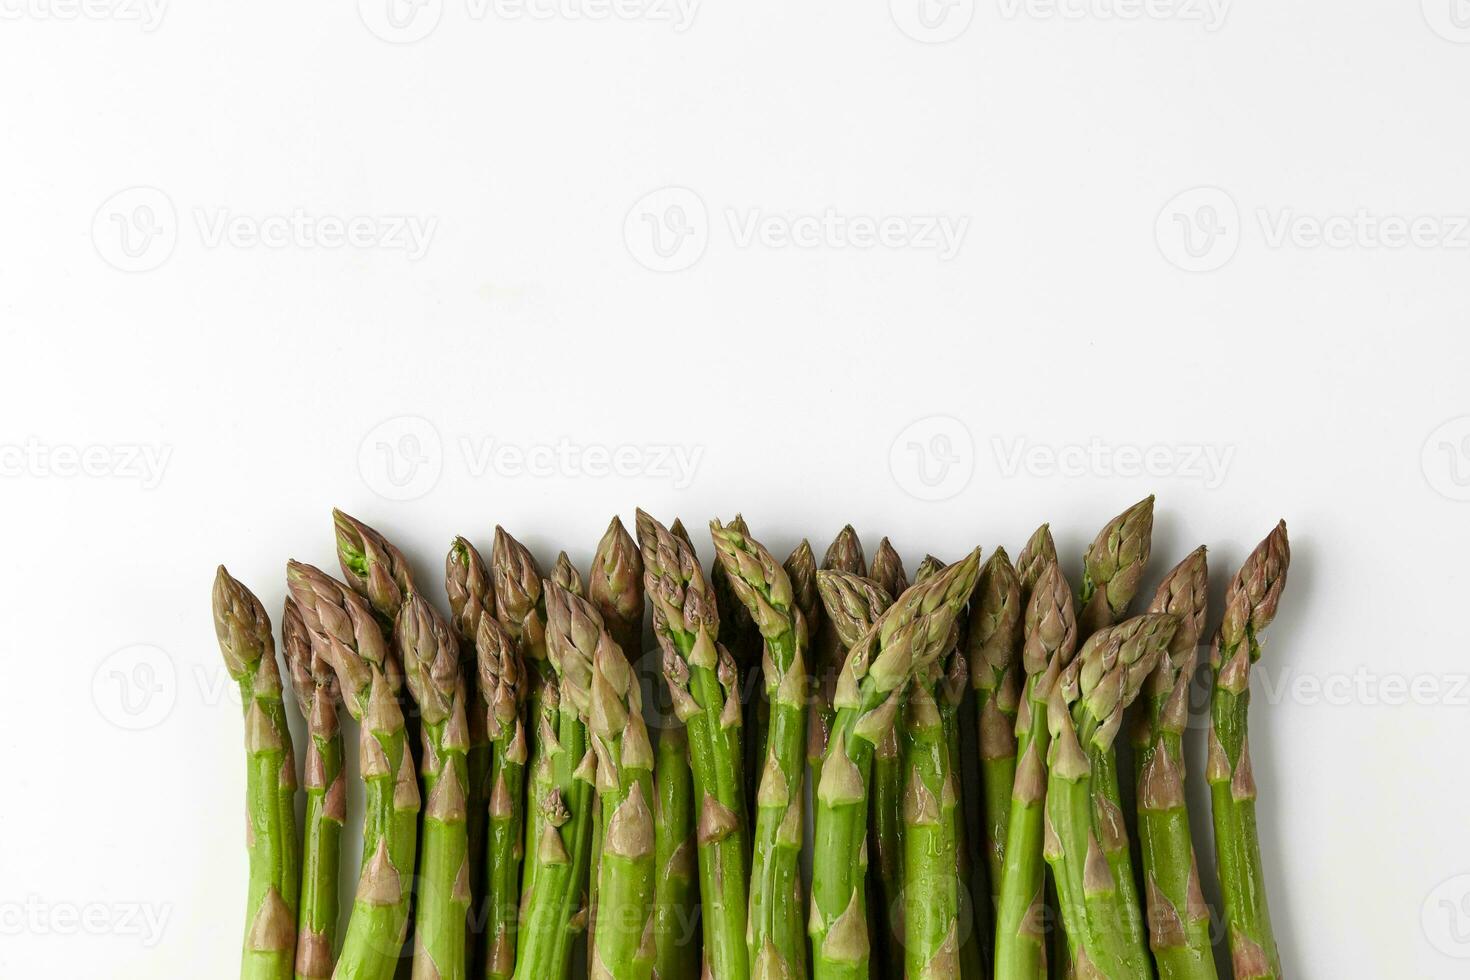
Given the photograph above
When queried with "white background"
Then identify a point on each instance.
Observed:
(1093, 156)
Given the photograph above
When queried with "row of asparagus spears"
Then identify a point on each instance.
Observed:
(514, 799)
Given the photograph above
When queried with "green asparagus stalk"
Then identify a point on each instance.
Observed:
(994, 654)
(931, 884)
(502, 695)
(801, 569)
(624, 941)
(521, 610)
(853, 604)
(1178, 919)
(616, 587)
(1038, 552)
(1050, 640)
(471, 598)
(740, 635)
(244, 632)
(845, 554)
(318, 694)
(678, 938)
(777, 944)
(1112, 568)
(885, 808)
(1250, 605)
(373, 567)
(1084, 713)
(676, 892)
(948, 692)
(436, 682)
(555, 901)
(702, 679)
(346, 634)
(905, 640)
(1113, 565)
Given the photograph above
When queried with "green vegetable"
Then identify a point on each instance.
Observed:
(344, 629)
(777, 943)
(702, 679)
(318, 695)
(244, 632)
(1250, 605)
(1179, 920)
(905, 640)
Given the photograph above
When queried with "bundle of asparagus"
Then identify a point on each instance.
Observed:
(519, 818)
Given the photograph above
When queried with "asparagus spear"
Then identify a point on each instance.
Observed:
(845, 554)
(1112, 568)
(701, 678)
(741, 636)
(1178, 919)
(1050, 639)
(885, 810)
(432, 668)
(1250, 605)
(1084, 713)
(346, 635)
(931, 897)
(244, 632)
(678, 947)
(554, 903)
(502, 695)
(616, 587)
(472, 598)
(948, 691)
(1038, 552)
(372, 566)
(905, 640)
(616, 591)
(777, 946)
(624, 943)
(994, 653)
(676, 895)
(318, 694)
(801, 569)
(521, 610)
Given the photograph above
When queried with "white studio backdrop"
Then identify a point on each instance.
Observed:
(942, 270)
